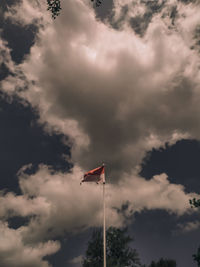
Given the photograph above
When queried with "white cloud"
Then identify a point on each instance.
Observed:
(77, 260)
(56, 203)
(14, 252)
(27, 12)
(5, 57)
(109, 90)
(189, 226)
(116, 96)
(12, 205)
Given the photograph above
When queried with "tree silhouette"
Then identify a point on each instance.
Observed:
(118, 253)
(195, 203)
(54, 6)
(163, 263)
(196, 257)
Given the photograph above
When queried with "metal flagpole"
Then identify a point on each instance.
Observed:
(104, 227)
(104, 223)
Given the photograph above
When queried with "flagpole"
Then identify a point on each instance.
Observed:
(104, 223)
(104, 227)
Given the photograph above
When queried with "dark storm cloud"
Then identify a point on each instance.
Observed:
(116, 95)
(133, 88)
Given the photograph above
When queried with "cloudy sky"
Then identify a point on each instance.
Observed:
(118, 84)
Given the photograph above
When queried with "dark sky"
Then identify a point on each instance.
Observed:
(31, 135)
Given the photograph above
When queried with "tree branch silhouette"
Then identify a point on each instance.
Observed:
(54, 6)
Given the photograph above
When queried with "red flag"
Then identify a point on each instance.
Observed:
(96, 175)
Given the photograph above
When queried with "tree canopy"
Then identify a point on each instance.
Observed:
(195, 203)
(54, 6)
(196, 257)
(118, 252)
(163, 263)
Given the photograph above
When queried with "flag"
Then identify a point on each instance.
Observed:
(96, 175)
